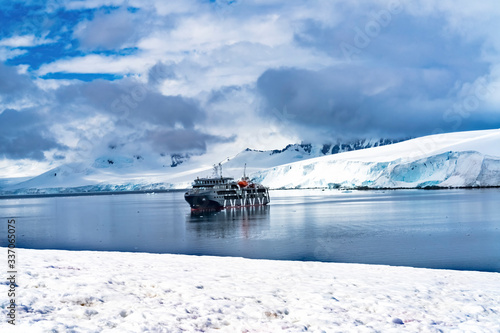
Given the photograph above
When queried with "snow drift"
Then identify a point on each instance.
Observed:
(81, 291)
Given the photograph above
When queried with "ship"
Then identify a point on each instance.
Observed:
(218, 192)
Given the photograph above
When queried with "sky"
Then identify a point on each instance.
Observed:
(79, 79)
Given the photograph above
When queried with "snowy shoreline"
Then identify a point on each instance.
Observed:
(82, 194)
(51, 194)
(441, 161)
(131, 292)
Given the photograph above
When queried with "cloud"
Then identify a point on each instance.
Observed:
(400, 72)
(24, 41)
(206, 49)
(128, 111)
(139, 113)
(395, 40)
(182, 141)
(160, 72)
(132, 101)
(17, 90)
(187, 76)
(96, 63)
(361, 101)
(13, 83)
(108, 30)
(7, 53)
(25, 135)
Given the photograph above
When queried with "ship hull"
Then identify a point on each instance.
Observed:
(202, 202)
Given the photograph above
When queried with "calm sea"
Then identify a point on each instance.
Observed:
(452, 229)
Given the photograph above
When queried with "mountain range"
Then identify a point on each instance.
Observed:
(461, 159)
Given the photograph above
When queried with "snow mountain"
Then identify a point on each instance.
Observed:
(117, 171)
(112, 172)
(462, 159)
(258, 159)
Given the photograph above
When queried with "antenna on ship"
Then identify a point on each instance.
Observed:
(218, 170)
(245, 171)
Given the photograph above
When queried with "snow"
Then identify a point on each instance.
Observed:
(116, 172)
(256, 159)
(132, 292)
(463, 159)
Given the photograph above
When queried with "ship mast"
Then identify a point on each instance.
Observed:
(217, 170)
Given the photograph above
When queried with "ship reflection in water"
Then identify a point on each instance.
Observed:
(241, 222)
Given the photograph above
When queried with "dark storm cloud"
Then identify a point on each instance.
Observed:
(159, 72)
(166, 123)
(398, 75)
(131, 102)
(361, 101)
(15, 86)
(168, 110)
(402, 41)
(139, 113)
(182, 140)
(24, 135)
(221, 94)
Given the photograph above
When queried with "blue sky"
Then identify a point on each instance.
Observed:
(215, 77)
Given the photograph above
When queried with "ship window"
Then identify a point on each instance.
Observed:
(226, 192)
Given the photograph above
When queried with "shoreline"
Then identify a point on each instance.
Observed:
(81, 194)
(129, 292)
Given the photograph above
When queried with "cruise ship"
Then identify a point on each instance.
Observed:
(220, 192)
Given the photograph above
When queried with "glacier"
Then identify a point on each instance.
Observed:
(450, 169)
(462, 159)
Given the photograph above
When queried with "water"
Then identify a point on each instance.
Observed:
(452, 229)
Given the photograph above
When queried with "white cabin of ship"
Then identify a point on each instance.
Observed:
(211, 182)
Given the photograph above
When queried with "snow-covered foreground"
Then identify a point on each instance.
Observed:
(134, 292)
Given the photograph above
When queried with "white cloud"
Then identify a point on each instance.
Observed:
(161, 7)
(95, 63)
(22, 168)
(8, 53)
(175, 7)
(107, 31)
(24, 41)
(205, 33)
(86, 4)
(19, 41)
(207, 52)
